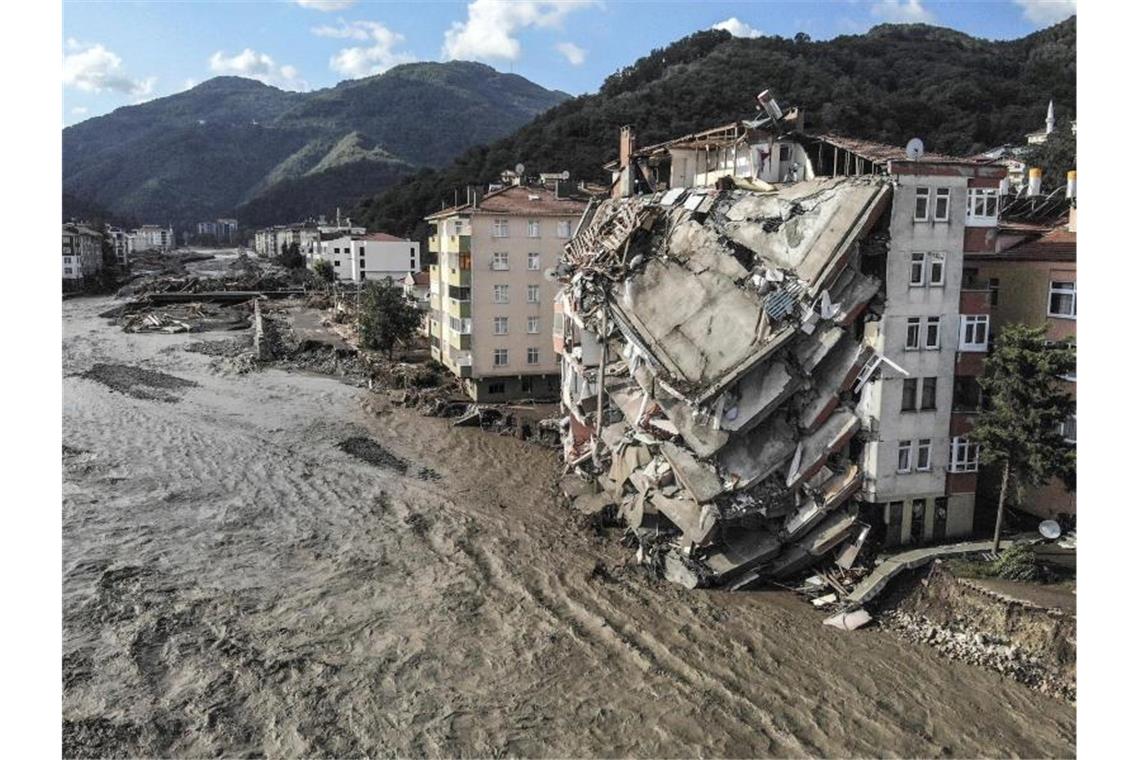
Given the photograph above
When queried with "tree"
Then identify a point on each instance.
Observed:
(385, 317)
(324, 271)
(1055, 157)
(291, 256)
(1021, 427)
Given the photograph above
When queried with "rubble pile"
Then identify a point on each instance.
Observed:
(243, 274)
(712, 355)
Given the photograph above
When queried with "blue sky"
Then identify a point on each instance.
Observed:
(124, 52)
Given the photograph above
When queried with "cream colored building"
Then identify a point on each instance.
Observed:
(490, 297)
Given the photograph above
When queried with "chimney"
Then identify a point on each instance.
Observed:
(562, 188)
(627, 145)
(1034, 182)
(626, 171)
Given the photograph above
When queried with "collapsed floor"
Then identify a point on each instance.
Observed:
(712, 357)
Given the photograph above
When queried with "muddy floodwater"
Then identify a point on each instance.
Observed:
(254, 565)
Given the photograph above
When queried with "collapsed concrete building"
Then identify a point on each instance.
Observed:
(738, 381)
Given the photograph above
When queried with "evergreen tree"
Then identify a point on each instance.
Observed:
(1021, 428)
(385, 317)
(324, 271)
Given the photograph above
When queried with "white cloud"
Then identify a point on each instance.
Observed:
(189, 84)
(491, 25)
(326, 5)
(574, 54)
(79, 110)
(902, 11)
(260, 66)
(738, 28)
(1046, 12)
(94, 68)
(365, 60)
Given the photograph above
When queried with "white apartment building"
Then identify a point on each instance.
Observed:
(82, 255)
(152, 237)
(368, 256)
(123, 243)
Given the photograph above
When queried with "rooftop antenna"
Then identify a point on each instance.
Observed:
(914, 149)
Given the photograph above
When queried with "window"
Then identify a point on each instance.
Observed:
(942, 204)
(532, 356)
(336, 263)
(1063, 299)
(1069, 429)
(994, 284)
(501, 228)
(909, 395)
(981, 204)
(526, 385)
(922, 461)
(963, 455)
(67, 270)
(785, 152)
(974, 332)
(921, 204)
(496, 389)
(501, 357)
(500, 325)
(500, 294)
(460, 325)
(937, 269)
(933, 331)
(532, 294)
(532, 325)
(66, 259)
(564, 229)
(500, 261)
(412, 263)
(532, 228)
(336, 250)
(917, 269)
(533, 261)
(929, 392)
(913, 326)
(904, 456)
(457, 293)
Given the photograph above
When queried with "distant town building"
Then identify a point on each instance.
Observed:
(368, 256)
(270, 242)
(491, 301)
(152, 237)
(122, 242)
(222, 230)
(417, 289)
(82, 255)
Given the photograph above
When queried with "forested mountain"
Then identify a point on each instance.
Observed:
(958, 93)
(233, 143)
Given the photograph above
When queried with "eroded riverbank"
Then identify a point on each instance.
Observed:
(238, 579)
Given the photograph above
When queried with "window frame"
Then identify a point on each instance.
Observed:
(922, 193)
(536, 290)
(501, 228)
(936, 323)
(535, 258)
(563, 225)
(1054, 290)
(920, 259)
(496, 322)
(963, 455)
(936, 258)
(536, 323)
(986, 198)
(532, 350)
(533, 228)
(970, 323)
(932, 384)
(941, 194)
(910, 384)
(913, 329)
(924, 447)
(505, 353)
(500, 261)
(504, 290)
(903, 461)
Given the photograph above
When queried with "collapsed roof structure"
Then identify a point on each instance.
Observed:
(711, 345)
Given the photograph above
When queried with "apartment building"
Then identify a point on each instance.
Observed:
(82, 255)
(368, 256)
(1031, 279)
(153, 237)
(491, 300)
(122, 242)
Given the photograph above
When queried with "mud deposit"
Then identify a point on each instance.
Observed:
(235, 583)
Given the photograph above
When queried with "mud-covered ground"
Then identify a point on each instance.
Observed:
(253, 565)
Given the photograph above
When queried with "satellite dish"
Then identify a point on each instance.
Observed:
(519, 169)
(565, 174)
(1050, 529)
(914, 149)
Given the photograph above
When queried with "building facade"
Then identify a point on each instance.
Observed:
(491, 301)
(368, 256)
(82, 255)
(122, 242)
(152, 237)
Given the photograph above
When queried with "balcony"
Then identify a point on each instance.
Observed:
(460, 361)
(433, 244)
(459, 309)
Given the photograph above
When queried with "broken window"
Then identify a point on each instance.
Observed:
(921, 204)
(1063, 299)
(937, 269)
(909, 394)
(500, 294)
(501, 357)
(942, 204)
(501, 228)
(963, 455)
(917, 269)
(500, 261)
(933, 330)
(532, 356)
(974, 332)
(904, 456)
(929, 392)
(496, 389)
(922, 461)
(913, 325)
(500, 325)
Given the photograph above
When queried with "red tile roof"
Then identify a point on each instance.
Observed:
(1059, 244)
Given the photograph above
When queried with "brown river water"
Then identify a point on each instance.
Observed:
(236, 582)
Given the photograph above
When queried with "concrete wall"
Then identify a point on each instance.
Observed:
(1023, 293)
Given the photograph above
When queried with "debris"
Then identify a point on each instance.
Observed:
(849, 621)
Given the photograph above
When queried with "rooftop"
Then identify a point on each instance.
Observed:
(1058, 244)
(520, 200)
